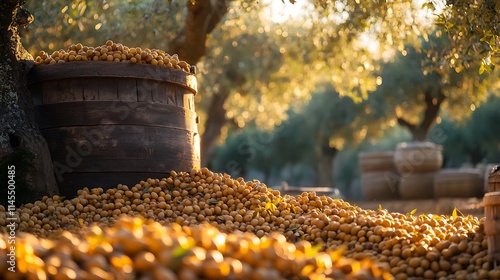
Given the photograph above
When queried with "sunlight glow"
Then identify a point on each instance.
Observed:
(280, 12)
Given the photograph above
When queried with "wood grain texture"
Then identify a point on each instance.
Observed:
(119, 113)
(99, 69)
(121, 148)
(58, 91)
(90, 91)
(108, 89)
(127, 90)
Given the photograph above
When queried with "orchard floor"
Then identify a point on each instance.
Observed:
(466, 206)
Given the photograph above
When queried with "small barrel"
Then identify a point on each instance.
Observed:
(416, 157)
(417, 186)
(494, 179)
(109, 123)
(491, 202)
(380, 185)
(379, 178)
(376, 161)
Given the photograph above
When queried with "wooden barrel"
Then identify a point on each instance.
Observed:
(379, 185)
(379, 178)
(458, 182)
(493, 178)
(108, 123)
(491, 202)
(417, 186)
(411, 157)
(376, 161)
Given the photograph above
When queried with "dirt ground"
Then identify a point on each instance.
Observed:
(467, 206)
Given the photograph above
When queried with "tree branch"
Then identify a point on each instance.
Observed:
(202, 18)
(432, 106)
(405, 123)
(219, 11)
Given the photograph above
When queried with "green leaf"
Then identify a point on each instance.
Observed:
(179, 253)
(213, 201)
(270, 207)
(429, 5)
(492, 41)
(411, 212)
(484, 67)
(146, 189)
(314, 250)
(437, 218)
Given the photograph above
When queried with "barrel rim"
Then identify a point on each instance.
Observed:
(418, 145)
(461, 171)
(106, 69)
(488, 194)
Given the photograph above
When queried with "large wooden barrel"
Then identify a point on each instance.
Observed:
(458, 182)
(491, 202)
(108, 123)
(376, 161)
(417, 186)
(380, 185)
(415, 157)
(379, 178)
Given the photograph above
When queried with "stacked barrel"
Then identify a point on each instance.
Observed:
(491, 202)
(458, 182)
(416, 163)
(379, 178)
(413, 171)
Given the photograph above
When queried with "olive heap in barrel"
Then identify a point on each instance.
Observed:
(425, 246)
(113, 52)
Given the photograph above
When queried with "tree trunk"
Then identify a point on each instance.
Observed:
(476, 155)
(203, 16)
(216, 119)
(324, 176)
(420, 131)
(18, 129)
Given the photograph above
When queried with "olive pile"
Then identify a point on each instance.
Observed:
(212, 225)
(113, 52)
(136, 248)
